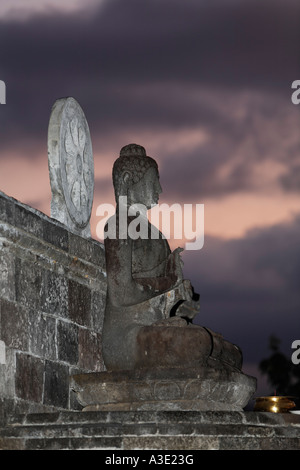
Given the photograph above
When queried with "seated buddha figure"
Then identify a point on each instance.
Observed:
(150, 307)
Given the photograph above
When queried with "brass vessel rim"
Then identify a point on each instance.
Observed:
(279, 397)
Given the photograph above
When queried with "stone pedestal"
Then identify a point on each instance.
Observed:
(115, 432)
(213, 387)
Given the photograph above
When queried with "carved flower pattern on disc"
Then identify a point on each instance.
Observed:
(71, 165)
(76, 166)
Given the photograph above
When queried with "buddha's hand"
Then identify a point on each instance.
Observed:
(188, 309)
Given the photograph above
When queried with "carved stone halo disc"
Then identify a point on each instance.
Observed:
(75, 156)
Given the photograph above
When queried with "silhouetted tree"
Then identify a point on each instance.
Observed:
(282, 374)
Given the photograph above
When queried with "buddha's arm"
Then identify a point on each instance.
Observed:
(173, 274)
(157, 284)
(122, 288)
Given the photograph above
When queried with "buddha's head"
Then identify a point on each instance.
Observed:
(135, 175)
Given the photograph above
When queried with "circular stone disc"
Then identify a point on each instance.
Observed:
(75, 158)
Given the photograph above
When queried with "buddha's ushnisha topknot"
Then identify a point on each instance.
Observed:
(132, 150)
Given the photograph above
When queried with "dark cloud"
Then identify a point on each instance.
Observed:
(291, 179)
(228, 161)
(162, 66)
(199, 176)
(250, 287)
(104, 58)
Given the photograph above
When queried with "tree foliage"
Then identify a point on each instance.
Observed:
(283, 376)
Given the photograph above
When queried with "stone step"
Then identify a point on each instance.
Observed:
(168, 430)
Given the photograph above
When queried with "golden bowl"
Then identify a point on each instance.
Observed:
(274, 404)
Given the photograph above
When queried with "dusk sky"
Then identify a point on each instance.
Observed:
(205, 87)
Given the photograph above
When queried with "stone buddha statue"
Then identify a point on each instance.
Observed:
(150, 307)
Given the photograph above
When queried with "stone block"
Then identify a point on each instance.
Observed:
(98, 443)
(54, 295)
(98, 308)
(48, 444)
(7, 375)
(2, 353)
(276, 443)
(81, 248)
(79, 297)
(56, 235)
(14, 325)
(90, 350)
(138, 429)
(56, 389)
(7, 209)
(28, 283)
(87, 249)
(171, 443)
(29, 377)
(239, 443)
(12, 444)
(217, 417)
(123, 417)
(7, 275)
(42, 335)
(67, 342)
(28, 220)
(163, 389)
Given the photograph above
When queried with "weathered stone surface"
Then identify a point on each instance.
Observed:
(55, 235)
(90, 350)
(56, 384)
(71, 166)
(7, 209)
(7, 376)
(2, 352)
(150, 306)
(54, 295)
(79, 303)
(14, 325)
(152, 430)
(87, 249)
(42, 336)
(28, 283)
(203, 388)
(7, 277)
(39, 320)
(171, 346)
(157, 358)
(29, 377)
(98, 308)
(28, 220)
(67, 342)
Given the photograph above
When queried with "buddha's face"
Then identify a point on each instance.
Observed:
(146, 191)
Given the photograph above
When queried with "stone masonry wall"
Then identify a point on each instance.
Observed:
(52, 299)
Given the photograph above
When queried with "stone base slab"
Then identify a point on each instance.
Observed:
(161, 430)
(204, 388)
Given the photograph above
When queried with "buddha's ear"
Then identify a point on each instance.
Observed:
(124, 182)
(126, 177)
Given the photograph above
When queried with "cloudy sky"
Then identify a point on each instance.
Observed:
(205, 86)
